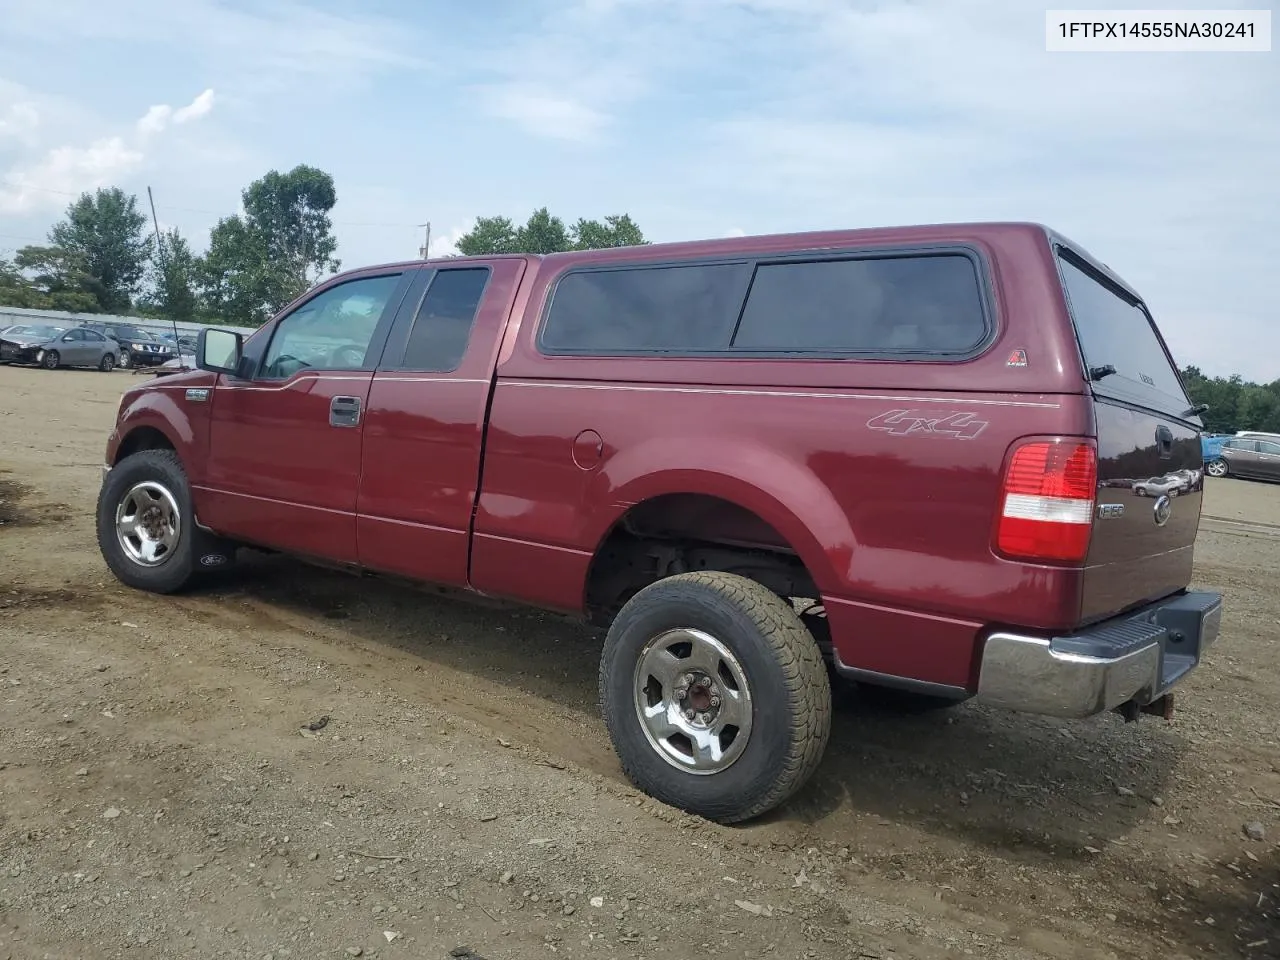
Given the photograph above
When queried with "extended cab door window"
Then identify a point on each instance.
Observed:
(333, 331)
(442, 326)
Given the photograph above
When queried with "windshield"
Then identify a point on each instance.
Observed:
(34, 330)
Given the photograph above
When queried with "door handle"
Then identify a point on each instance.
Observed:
(344, 411)
(1164, 441)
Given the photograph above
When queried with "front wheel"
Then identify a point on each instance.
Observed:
(715, 695)
(1217, 468)
(146, 528)
(51, 360)
(126, 360)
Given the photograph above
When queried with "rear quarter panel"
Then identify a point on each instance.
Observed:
(882, 476)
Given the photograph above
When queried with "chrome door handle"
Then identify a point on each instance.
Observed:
(344, 411)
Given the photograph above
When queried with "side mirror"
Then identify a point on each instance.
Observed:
(219, 351)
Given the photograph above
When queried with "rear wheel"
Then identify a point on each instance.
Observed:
(715, 695)
(1217, 468)
(107, 363)
(51, 360)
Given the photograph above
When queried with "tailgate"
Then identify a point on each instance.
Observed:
(1150, 466)
(1150, 481)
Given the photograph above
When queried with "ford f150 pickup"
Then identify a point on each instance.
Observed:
(916, 458)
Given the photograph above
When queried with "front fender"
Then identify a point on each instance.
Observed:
(784, 493)
(165, 408)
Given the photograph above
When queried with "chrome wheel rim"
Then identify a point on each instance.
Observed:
(1217, 468)
(148, 523)
(693, 701)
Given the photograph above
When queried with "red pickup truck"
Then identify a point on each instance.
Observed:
(905, 456)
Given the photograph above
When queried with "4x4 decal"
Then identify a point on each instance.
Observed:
(953, 424)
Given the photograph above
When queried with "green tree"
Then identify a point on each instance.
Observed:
(271, 254)
(51, 278)
(105, 231)
(543, 233)
(616, 231)
(490, 235)
(1234, 403)
(173, 278)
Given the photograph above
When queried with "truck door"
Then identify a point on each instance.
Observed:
(426, 418)
(284, 444)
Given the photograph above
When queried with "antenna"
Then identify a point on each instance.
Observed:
(425, 252)
(160, 249)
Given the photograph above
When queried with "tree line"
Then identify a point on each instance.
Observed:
(103, 257)
(1234, 403)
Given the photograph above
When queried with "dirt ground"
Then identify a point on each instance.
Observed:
(160, 797)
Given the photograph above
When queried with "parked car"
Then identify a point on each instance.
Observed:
(137, 347)
(1169, 484)
(1247, 457)
(1211, 445)
(179, 364)
(52, 347)
(17, 338)
(894, 451)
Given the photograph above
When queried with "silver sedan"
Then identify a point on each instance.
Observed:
(52, 348)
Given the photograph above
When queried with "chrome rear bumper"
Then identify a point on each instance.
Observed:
(1135, 658)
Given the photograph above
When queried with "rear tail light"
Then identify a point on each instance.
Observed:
(1046, 509)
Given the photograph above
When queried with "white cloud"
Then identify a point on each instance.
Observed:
(69, 170)
(18, 121)
(196, 109)
(161, 115)
(155, 119)
(446, 245)
(544, 114)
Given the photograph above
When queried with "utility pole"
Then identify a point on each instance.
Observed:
(425, 250)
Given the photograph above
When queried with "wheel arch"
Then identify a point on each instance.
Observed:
(744, 497)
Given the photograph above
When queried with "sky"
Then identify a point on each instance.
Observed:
(699, 118)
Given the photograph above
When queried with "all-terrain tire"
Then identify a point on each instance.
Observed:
(194, 550)
(790, 694)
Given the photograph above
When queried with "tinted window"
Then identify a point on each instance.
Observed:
(1247, 446)
(926, 305)
(331, 331)
(1116, 331)
(1266, 446)
(94, 336)
(75, 335)
(443, 324)
(649, 309)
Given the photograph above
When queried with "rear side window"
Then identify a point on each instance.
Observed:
(667, 309)
(1114, 330)
(442, 328)
(922, 304)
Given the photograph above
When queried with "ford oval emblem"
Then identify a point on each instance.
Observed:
(1163, 510)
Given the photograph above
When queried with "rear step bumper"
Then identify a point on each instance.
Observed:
(1134, 658)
